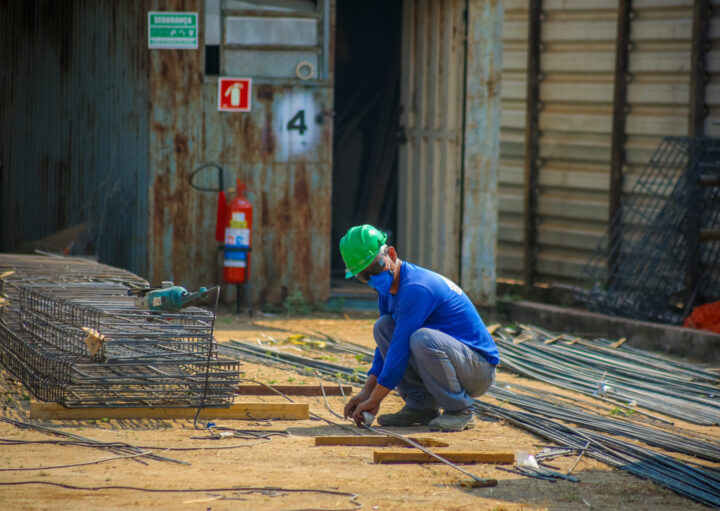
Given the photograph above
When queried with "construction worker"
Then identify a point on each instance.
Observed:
(431, 343)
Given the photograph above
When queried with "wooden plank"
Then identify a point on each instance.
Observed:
(404, 456)
(292, 390)
(285, 411)
(554, 339)
(375, 440)
(532, 135)
(618, 343)
(709, 234)
(493, 328)
(698, 111)
(709, 181)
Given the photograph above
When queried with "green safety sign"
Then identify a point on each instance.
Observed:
(173, 30)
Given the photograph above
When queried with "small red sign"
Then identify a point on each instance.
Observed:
(234, 94)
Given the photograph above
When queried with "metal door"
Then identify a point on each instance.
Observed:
(430, 159)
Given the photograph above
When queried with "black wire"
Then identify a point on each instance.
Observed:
(207, 367)
(352, 496)
(221, 185)
(7, 442)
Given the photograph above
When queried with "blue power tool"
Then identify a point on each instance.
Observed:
(169, 297)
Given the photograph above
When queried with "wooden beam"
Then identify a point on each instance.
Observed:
(709, 181)
(285, 411)
(618, 343)
(698, 71)
(532, 135)
(620, 110)
(405, 456)
(554, 339)
(375, 440)
(293, 390)
(709, 234)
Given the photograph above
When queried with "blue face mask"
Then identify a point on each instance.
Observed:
(382, 282)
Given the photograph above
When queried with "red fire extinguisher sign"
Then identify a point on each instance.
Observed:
(234, 94)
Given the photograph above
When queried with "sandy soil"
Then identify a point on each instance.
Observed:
(292, 463)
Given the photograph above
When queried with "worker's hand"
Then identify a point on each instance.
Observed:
(368, 405)
(354, 402)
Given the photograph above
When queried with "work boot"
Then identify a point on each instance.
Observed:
(407, 417)
(453, 421)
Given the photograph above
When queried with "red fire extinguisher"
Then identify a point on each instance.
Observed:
(238, 233)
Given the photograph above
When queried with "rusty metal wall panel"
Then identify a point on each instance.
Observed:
(288, 176)
(482, 141)
(73, 129)
(430, 162)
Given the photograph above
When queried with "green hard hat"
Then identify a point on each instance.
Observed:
(359, 247)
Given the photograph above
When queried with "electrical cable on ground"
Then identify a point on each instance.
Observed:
(352, 496)
(118, 447)
(209, 359)
(114, 458)
(9, 442)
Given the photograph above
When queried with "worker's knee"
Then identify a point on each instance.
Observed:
(421, 339)
(383, 328)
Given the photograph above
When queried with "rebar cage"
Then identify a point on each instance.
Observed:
(660, 254)
(146, 358)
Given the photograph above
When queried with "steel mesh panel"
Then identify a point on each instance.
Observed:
(651, 263)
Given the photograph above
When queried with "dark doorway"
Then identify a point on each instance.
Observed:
(367, 103)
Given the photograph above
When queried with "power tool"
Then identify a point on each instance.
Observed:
(169, 297)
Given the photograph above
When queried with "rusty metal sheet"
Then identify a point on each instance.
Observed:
(288, 176)
(482, 148)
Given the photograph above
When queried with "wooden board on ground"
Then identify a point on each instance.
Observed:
(285, 411)
(404, 456)
(375, 440)
(292, 390)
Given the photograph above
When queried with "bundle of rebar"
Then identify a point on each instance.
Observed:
(70, 332)
(619, 375)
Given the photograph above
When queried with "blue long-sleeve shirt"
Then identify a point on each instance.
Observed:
(428, 300)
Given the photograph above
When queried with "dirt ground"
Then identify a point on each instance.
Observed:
(299, 473)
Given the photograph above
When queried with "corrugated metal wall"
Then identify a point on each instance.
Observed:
(288, 174)
(658, 92)
(575, 122)
(577, 71)
(73, 129)
(431, 119)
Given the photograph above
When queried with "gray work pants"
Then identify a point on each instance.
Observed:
(442, 372)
